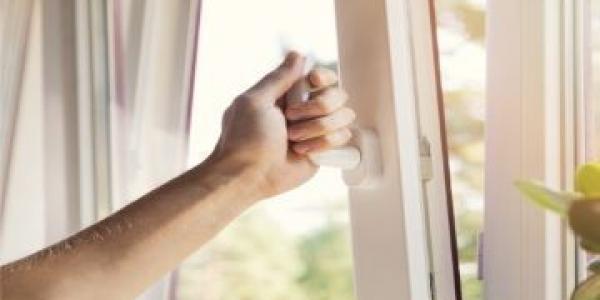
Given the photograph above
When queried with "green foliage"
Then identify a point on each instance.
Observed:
(254, 260)
(472, 288)
(469, 224)
(328, 272)
(470, 16)
(465, 137)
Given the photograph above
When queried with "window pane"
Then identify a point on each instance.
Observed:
(295, 246)
(461, 30)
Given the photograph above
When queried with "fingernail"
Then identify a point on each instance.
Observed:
(301, 149)
(292, 58)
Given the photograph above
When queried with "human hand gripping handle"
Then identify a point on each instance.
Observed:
(309, 88)
(262, 130)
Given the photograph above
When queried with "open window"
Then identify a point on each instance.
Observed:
(105, 88)
(402, 226)
(106, 104)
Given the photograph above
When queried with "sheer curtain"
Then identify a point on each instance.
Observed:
(15, 19)
(152, 51)
(100, 117)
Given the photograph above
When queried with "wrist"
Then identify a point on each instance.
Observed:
(239, 175)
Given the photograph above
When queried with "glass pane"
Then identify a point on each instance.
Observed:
(461, 30)
(295, 246)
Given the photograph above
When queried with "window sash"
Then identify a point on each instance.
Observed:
(389, 68)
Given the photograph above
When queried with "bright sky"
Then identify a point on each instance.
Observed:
(240, 41)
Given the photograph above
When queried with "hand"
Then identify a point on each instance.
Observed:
(258, 134)
(584, 218)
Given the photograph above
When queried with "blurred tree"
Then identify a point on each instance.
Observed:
(471, 17)
(258, 261)
(328, 264)
(465, 18)
(254, 260)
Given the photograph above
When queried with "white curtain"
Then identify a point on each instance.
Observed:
(152, 65)
(100, 118)
(15, 19)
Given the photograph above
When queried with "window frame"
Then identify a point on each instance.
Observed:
(402, 228)
(534, 74)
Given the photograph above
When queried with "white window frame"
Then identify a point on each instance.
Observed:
(535, 129)
(401, 228)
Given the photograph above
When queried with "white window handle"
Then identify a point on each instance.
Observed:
(360, 160)
(345, 158)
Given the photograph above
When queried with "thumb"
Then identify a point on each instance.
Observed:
(275, 84)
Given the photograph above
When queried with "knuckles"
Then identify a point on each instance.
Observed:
(322, 126)
(249, 101)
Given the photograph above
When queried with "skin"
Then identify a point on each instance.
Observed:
(261, 153)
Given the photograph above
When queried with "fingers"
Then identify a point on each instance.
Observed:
(322, 77)
(331, 140)
(322, 122)
(325, 103)
(313, 128)
(279, 81)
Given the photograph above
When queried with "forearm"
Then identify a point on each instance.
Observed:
(121, 255)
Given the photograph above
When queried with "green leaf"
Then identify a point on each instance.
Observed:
(556, 201)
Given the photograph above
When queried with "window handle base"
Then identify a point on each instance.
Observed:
(368, 172)
(360, 160)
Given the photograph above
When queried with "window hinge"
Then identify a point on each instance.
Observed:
(426, 160)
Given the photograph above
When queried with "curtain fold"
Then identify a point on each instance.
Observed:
(150, 91)
(152, 55)
(15, 19)
(118, 91)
